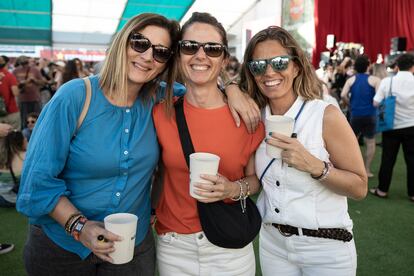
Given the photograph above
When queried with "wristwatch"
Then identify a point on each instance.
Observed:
(78, 227)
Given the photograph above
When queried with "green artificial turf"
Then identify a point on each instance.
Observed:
(383, 229)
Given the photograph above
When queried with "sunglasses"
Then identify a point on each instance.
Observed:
(259, 66)
(30, 121)
(140, 44)
(212, 49)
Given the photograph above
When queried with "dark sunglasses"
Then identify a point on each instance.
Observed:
(140, 44)
(212, 49)
(259, 66)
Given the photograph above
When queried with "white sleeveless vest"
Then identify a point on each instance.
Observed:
(293, 197)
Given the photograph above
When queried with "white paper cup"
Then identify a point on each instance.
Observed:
(202, 163)
(124, 225)
(278, 124)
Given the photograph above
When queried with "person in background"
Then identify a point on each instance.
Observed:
(30, 80)
(5, 247)
(304, 198)
(59, 69)
(358, 92)
(9, 91)
(403, 132)
(8, 94)
(182, 246)
(378, 70)
(80, 68)
(343, 72)
(16, 146)
(71, 71)
(30, 121)
(233, 68)
(45, 90)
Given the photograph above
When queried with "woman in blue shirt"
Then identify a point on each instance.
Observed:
(74, 177)
(73, 181)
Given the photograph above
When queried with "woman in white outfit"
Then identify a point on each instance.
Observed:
(306, 227)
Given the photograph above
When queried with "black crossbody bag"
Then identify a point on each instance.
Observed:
(224, 225)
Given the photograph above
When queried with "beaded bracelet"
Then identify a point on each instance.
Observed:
(244, 181)
(241, 194)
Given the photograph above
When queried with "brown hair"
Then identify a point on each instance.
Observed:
(197, 17)
(114, 74)
(305, 84)
(206, 18)
(14, 143)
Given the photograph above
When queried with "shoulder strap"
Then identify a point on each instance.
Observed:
(185, 138)
(390, 91)
(86, 103)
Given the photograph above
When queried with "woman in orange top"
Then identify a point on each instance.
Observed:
(182, 247)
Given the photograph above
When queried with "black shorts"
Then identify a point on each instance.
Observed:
(364, 126)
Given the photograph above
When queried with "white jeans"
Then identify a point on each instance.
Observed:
(303, 255)
(193, 254)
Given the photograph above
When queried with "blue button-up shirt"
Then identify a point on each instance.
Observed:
(105, 168)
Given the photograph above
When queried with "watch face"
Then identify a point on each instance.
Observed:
(79, 226)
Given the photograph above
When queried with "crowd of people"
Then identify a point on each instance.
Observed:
(91, 155)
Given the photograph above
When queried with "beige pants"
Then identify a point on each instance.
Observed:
(194, 255)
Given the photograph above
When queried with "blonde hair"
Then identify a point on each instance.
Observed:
(305, 84)
(114, 74)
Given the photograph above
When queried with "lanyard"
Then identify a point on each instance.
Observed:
(273, 159)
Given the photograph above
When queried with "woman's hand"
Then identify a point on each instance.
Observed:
(220, 188)
(295, 155)
(241, 104)
(89, 238)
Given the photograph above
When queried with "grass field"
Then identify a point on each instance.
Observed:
(383, 229)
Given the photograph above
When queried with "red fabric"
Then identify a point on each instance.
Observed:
(370, 22)
(7, 82)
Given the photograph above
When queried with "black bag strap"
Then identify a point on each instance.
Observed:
(185, 138)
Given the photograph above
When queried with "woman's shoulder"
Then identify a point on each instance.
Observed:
(71, 89)
(317, 104)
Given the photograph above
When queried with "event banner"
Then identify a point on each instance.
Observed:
(298, 19)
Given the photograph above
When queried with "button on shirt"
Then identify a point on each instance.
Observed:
(403, 89)
(102, 170)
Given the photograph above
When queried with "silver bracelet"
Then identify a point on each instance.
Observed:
(325, 172)
(329, 166)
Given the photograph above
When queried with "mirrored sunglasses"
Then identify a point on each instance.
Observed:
(140, 44)
(212, 49)
(278, 64)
